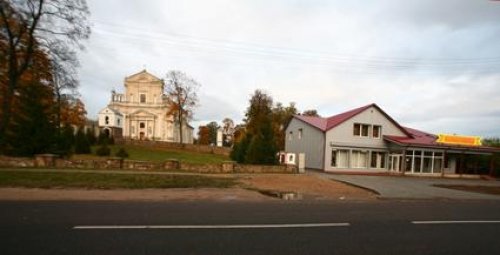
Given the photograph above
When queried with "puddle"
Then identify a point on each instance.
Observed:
(285, 195)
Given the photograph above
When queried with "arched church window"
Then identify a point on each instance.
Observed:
(106, 120)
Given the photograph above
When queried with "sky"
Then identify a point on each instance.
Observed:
(431, 65)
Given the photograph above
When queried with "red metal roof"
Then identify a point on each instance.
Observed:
(325, 124)
(423, 139)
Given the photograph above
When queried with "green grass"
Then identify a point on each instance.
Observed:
(110, 181)
(158, 155)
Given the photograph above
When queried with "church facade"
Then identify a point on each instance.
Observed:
(142, 112)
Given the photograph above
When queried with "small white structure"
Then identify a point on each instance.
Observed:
(111, 121)
(220, 137)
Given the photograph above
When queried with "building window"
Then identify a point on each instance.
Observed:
(340, 158)
(106, 120)
(117, 121)
(300, 133)
(378, 160)
(359, 159)
(424, 161)
(143, 98)
(357, 129)
(361, 130)
(377, 131)
(142, 125)
(365, 130)
(290, 135)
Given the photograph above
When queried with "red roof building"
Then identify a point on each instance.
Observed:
(367, 139)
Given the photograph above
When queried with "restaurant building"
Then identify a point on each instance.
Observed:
(367, 140)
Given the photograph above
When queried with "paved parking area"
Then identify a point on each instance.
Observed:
(406, 187)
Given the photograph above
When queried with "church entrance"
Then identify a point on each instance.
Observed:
(141, 135)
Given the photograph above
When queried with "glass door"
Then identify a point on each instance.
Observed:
(395, 162)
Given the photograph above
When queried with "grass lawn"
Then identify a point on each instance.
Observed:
(110, 181)
(157, 154)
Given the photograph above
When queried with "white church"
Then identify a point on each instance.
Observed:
(141, 113)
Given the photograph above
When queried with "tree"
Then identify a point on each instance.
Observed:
(182, 95)
(227, 132)
(66, 141)
(54, 27)
(491, 141)
(213, 128)
(203, 135)
(281, 116)
(82, 145)
(312, 113)
(259, 135)
(31, 130)
(71, 111)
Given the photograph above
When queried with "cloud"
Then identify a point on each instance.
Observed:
(430, 64)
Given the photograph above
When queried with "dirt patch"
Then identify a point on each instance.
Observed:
(311, 187)
(250, 188)
(492, 190)
(230, 194)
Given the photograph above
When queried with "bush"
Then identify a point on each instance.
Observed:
(103, 150)
(121, 153)
(82, 145)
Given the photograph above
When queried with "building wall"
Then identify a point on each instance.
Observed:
(342, 137)
(114, 120)
(311, 143)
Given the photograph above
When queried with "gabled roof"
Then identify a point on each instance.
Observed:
(140, 74)
(111, 110)
(325, 124)
(144, 112)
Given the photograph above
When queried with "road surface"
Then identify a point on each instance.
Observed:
(281, 227)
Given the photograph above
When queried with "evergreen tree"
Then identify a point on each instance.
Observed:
(91, 136)
(65, 141)
(102, 138)
(82, 145)
(262, 148)
(240, 149)
(258, 146)
(31, 131)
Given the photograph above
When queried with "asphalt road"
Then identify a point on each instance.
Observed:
(378, 227)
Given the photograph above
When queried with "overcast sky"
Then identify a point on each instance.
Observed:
(431, 65)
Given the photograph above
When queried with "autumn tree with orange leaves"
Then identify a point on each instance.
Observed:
(52, 28)
(181, 91)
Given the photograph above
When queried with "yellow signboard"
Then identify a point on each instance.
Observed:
(459, 140)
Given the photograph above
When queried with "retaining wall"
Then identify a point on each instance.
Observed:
(52, 161)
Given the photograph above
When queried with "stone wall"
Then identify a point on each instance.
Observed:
(177, 146)
(16, 162)
(51, 161)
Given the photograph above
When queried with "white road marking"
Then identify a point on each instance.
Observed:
(456, 222)
(306, 225)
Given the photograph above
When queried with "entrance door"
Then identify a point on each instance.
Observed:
(141, 136)
(395, 162)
